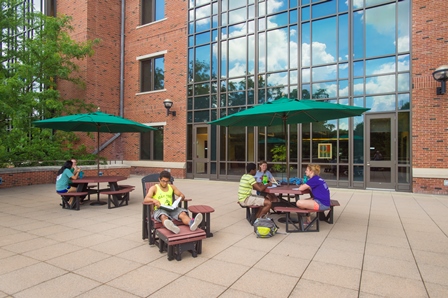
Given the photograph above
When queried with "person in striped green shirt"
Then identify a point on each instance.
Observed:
(245, 196)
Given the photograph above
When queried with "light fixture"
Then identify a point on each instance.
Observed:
(441, 75)
(168, 103)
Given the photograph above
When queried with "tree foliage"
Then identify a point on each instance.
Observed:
(37, 52)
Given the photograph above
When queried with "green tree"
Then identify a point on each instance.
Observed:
(37, 53)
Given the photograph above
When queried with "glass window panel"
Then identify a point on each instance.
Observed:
(324, 9)
(343, 37)
(324, 41)
(306, 41)
(261, 24)
(278, 5)
(293, 77)
(293, 47)
(190, 102)
(202, 38)
(236, 144)
(215, 22)
(305, 75)
(277, 20)
(324, 73)
(293, 16)
(191, 41)
(191, 15)
(214, 61)
(358, 34)
(251, 54)
(342, 6)
(251, 27)
(380, 103)
(380, 66)
(324, 90)
(403, 139)
(380, 32)
(251, 12)
(224, 5)
(236, 84)
(201, 89)
(343, 70)
(277, 79)
(201, 102)
(237, 16)
(237, 98)
(374, 2)
(261, 9)
(202, 12)
(223, 103)
(380, 84)
(237, 30)
(200, 2)
(251, 97)
(203, 25)
(261, 52)
(261, 81)
(276, 93)
(237, 57)
(306, 91)
(305, 13)
(202, 64)
(261, 95)
(358, 86)
(305, 2)
(224, 33)
(403, 63)
(358, 102)
(191, 28)
(224, 59)
(292, 3)
(215, 8)
(236, 3)
(403, 26)
(403, 82)
(358, 68)
(190, 65)
(306, 144)
(189, 117)
(214, 87)
(343, 88)
(403, 101)
(201, 116)
(294, 92)
(224, 19)
(277, 41)
(214, 101)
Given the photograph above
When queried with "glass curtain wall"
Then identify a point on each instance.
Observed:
(246, 52)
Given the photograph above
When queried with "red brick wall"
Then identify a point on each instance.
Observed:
(45, 175)
(429, 117)
(101, 19)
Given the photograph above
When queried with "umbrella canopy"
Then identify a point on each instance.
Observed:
(289, 111)
(91, 122)
(285, 111)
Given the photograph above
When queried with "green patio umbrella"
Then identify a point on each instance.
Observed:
(93, 122)
(285, 111)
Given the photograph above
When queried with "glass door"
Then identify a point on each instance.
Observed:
(380, 151)
(201, 152)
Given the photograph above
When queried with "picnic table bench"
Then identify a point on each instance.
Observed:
(117, 198)
(299, 225)
(75, 203)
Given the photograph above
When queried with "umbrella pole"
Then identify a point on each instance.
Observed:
(287, 148)
(98, 202)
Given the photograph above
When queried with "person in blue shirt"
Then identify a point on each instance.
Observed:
(64, 177)
(319, 190)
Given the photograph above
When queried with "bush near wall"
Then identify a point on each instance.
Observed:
(12, 177)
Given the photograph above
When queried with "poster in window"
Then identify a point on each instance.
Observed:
(324, 150)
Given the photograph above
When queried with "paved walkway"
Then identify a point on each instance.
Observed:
(382, 244)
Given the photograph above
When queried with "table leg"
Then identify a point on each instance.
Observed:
(207, 223)
(98, 202)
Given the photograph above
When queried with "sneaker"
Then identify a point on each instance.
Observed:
(171, 226)
(194, 223)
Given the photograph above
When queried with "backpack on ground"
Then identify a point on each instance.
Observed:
(265, 227)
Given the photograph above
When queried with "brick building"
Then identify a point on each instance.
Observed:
(213, 58)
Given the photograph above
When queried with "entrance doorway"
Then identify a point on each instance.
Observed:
(201, 156)
(380, 151)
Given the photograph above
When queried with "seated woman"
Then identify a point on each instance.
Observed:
(263, 171)
(64, 178)
(319, 189)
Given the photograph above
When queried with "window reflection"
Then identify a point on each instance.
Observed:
(324, 41)
(381, 103)
(380, 32)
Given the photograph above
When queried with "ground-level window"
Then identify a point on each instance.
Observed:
(151, 144)
(152, 10)
(153, 74)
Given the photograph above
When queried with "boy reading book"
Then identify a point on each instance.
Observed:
(161, 195)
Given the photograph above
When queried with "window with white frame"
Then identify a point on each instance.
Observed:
(151, 144)
(152, 74)
(152, 10)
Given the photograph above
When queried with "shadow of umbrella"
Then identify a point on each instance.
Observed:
(285, 111)
(93, 122)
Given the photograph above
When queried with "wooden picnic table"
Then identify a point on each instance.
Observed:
(84, 182)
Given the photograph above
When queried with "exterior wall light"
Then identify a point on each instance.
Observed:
(168, 103)
(441, 75)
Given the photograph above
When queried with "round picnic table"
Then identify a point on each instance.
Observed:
(205, 211)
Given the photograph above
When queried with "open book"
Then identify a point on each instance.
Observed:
(172, 207)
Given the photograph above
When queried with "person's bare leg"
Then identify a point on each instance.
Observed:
(265, 209)
(306, 204)
(184, 218)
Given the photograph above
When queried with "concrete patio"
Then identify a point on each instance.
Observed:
(382, 244)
